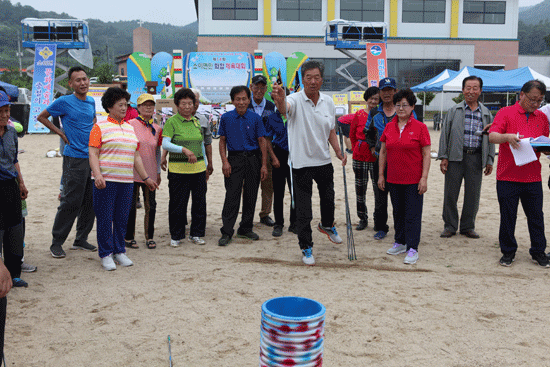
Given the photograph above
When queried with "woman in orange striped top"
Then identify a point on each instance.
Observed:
(113, 154)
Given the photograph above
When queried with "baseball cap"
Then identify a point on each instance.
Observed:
(144, 98)
(4, 99)
(259, 79)
(387, 83)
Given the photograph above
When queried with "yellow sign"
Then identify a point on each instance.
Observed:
(46, 53)
(356, 107)
(340, 99)
(356, 96)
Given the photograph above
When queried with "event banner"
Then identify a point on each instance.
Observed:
(42, 84)
(215, 73)
(376, 63)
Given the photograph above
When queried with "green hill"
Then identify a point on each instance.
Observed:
(114, 36)
(536, 13)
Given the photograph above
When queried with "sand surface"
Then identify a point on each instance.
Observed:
(455, 307)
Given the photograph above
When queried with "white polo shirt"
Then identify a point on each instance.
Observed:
(309, 127)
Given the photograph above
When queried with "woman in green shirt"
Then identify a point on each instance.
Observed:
(183, 139)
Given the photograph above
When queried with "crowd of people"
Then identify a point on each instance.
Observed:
(271, 145)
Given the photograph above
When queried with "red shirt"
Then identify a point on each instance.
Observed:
(361, 150)
(404, 150)
(513, 120)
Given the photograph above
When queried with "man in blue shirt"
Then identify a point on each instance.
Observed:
(263, 108)
(276, 128)
(77, 113)
(244, 157)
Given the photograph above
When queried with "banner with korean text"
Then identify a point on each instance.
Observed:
(376, 63)
(42, 84)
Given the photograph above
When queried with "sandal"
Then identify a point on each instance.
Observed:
(151, 244)
(131, 244)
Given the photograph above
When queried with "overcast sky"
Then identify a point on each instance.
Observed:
(179, 12)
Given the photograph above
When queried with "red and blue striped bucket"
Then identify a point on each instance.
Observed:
(292, 332)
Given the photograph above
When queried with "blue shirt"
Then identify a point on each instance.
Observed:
(77, 117)
(8, 154)
(276, 128)
(241, 132)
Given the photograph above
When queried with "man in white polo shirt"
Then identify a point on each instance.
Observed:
(311, 125)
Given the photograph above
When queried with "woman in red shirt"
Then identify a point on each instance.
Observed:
(406, 149)
(363, 159)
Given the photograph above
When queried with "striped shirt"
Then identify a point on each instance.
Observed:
(117, 144)
(472, 123)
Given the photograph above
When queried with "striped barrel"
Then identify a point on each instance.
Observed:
(292, 332)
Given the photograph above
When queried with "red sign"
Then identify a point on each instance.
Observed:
(376, 63)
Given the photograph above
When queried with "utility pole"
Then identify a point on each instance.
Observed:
(19, 54)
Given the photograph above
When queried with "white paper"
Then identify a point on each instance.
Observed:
(525, 153)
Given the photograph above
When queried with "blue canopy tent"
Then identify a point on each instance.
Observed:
(12, 90)
(445, 75)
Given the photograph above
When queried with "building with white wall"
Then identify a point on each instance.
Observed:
(424, 36)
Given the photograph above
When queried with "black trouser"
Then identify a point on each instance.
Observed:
(380, 202)
(281, 177)
(303, 190)
(11, 240)
(180, 187)
(245, 177)
(76, 201)
(509, 194)
(11, 226)
(3, 306)
(150, 206)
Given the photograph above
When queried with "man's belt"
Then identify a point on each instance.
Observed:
(471, 150)
(244, 153)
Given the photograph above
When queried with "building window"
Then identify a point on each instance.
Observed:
(362, 10)
(235, 9)
(484, 12)
(424, 11)
(299, 10)
(122, 71)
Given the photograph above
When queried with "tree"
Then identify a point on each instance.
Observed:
(459, 99)
(13, 77)
(104, 73)
(427, 97)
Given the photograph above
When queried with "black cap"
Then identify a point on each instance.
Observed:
(259, 79)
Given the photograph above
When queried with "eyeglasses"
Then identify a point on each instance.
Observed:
(401, 106)
(537, 101)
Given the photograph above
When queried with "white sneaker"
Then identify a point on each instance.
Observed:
(123, 260)
(308, 258)
(108, 263)
(174, 243)
(397, 249)
(412, 257)
(197, 240)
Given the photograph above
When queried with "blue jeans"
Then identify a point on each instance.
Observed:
(407, 213)
(112, 205)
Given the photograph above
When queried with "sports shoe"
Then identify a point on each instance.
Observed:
(175, 243)
(412, 257)
(397, 249)
(380, 235)
(57, 251)
(196, 240)
(277, 230)
(331, 233)
(28, 268)
(123, 260)
(250, 235)
(541, 259)
(225, 240)
(308, 258)
(84, 246)
(507, 259)
(18, 282)
(267, 221)
(108, 263)
(363, 223)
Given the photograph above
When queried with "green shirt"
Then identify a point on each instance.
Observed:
(187, 134)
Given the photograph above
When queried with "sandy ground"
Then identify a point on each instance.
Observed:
(455, 307)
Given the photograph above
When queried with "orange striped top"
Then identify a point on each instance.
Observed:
(117, 144)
